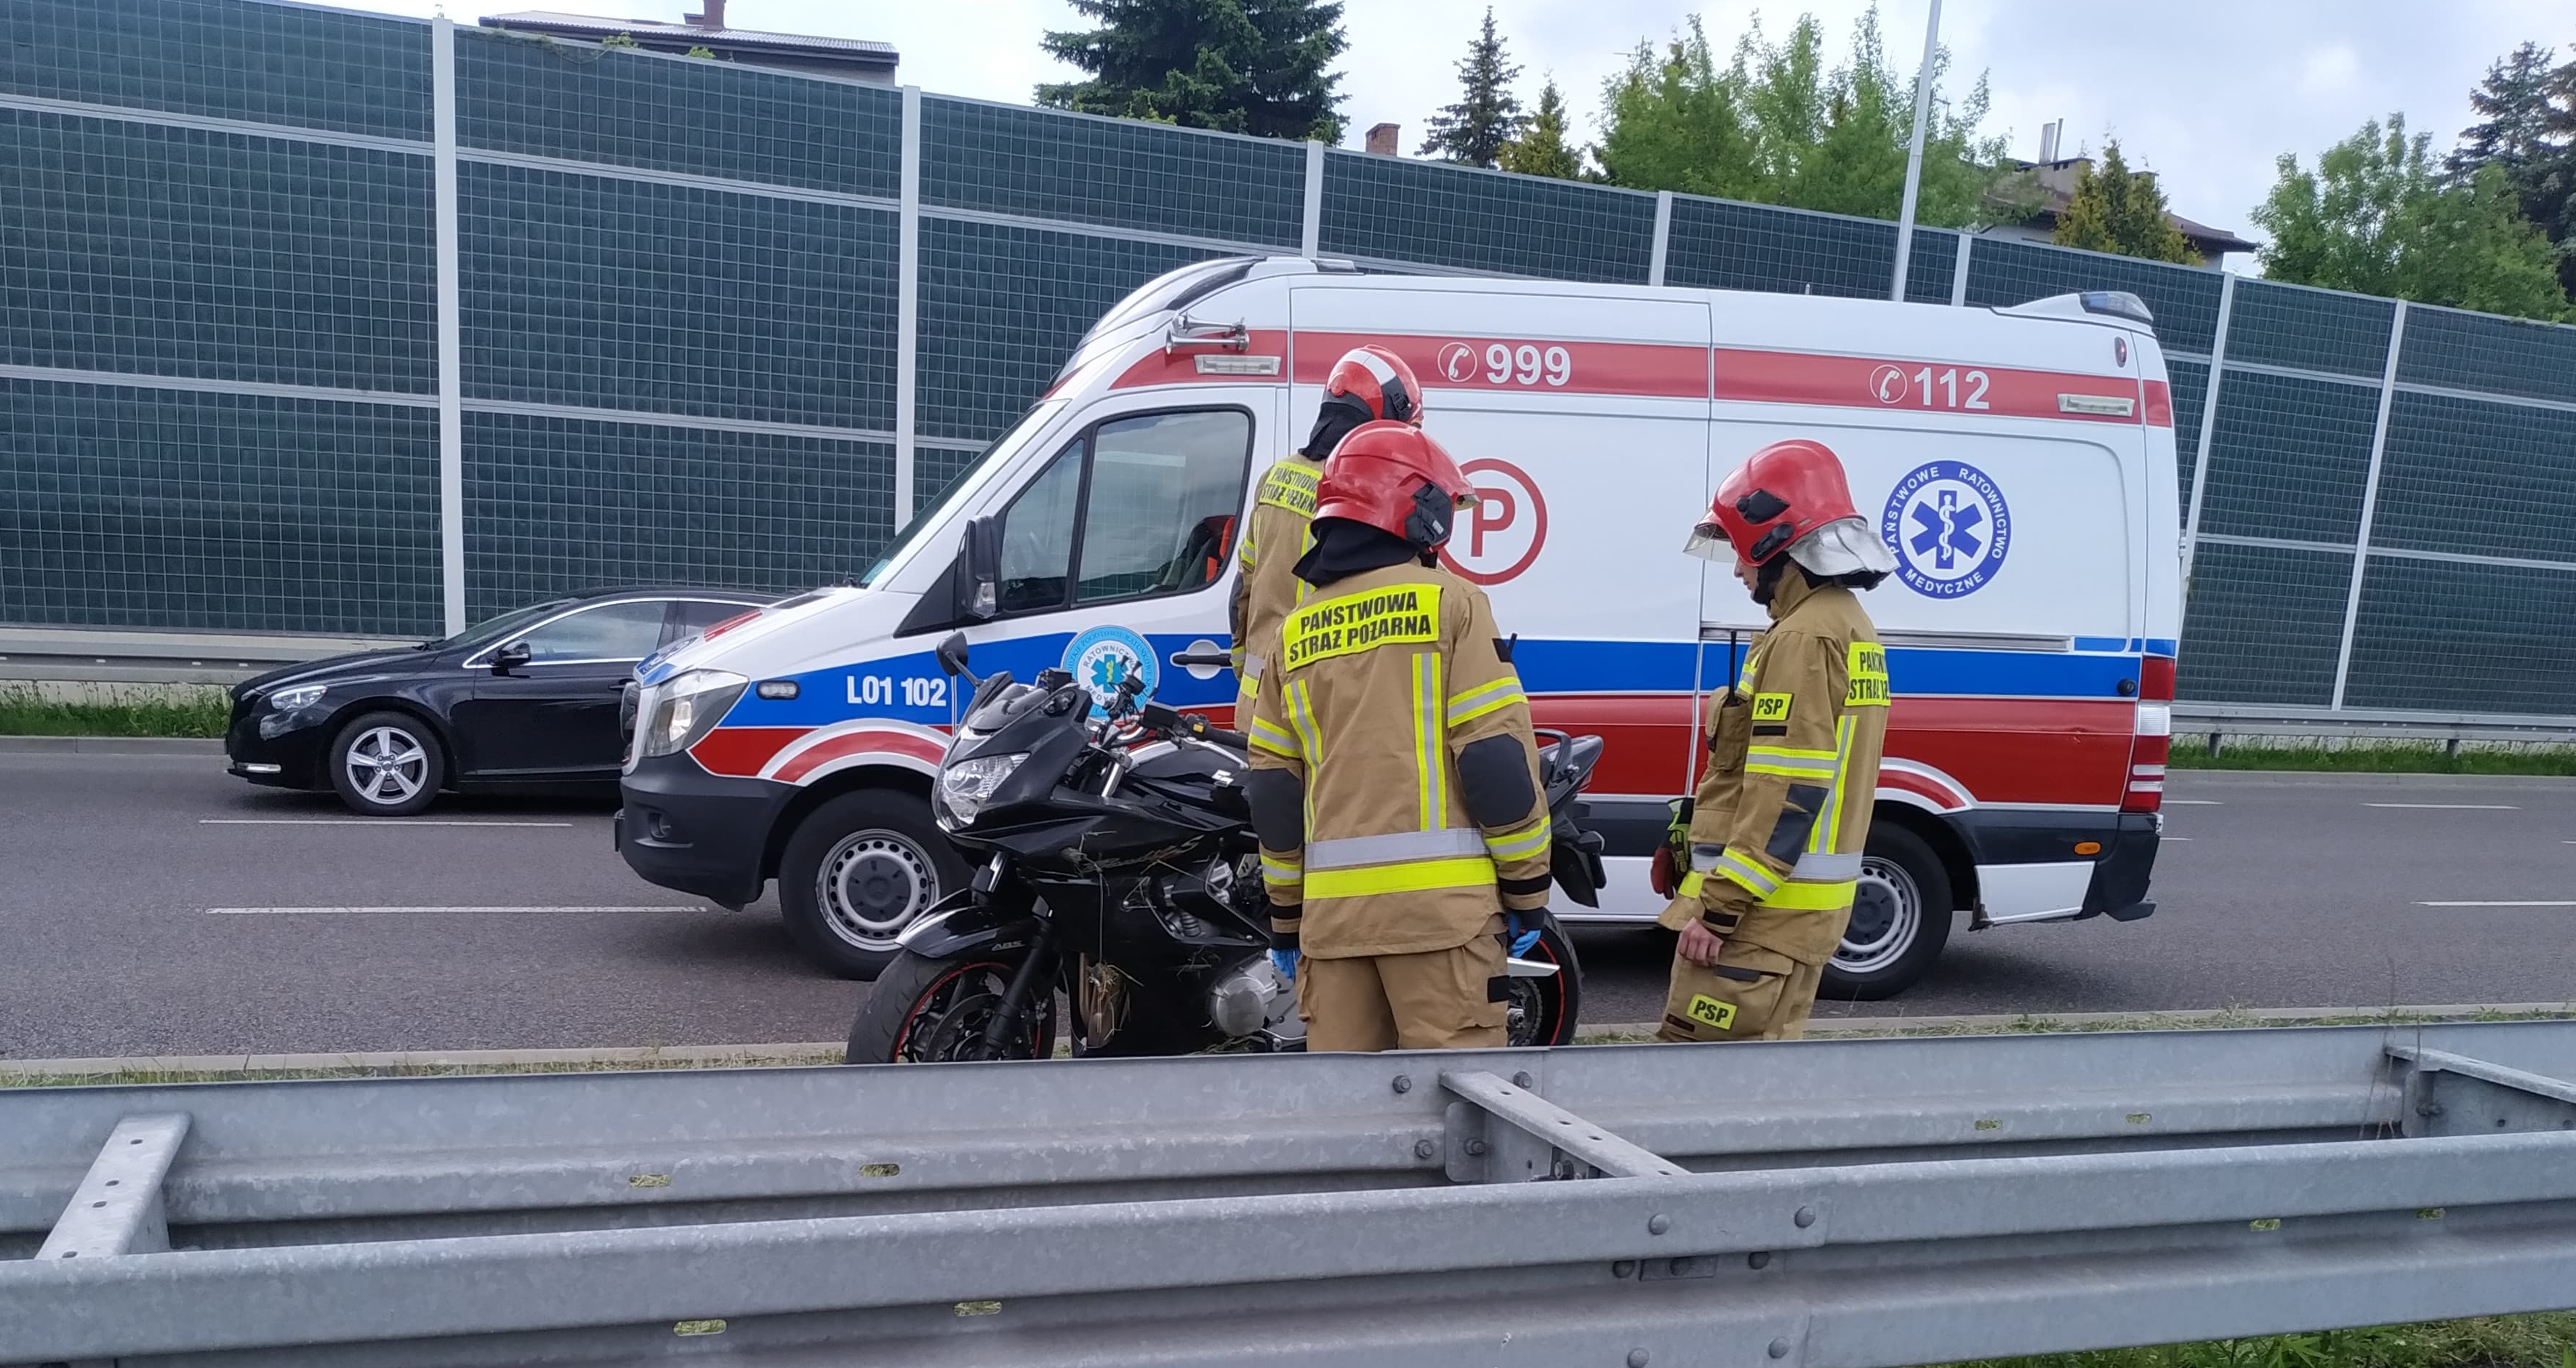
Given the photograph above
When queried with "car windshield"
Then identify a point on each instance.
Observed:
(492, 629)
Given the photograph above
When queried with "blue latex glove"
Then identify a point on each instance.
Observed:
(1519, 940)
(1285, 961)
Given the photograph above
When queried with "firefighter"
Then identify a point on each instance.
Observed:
(1394, 782)
(1367, 384)
(1771, 849)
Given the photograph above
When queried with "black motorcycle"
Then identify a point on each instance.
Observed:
(1119, 868)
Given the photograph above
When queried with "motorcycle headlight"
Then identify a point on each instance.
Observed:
(688, 706)
(297, 699)
(965, 784)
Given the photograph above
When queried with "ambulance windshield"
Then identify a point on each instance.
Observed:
(998, 454)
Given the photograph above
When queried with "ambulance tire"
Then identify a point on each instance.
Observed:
(858, 870)
(1900, 920)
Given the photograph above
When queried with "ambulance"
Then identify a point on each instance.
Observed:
(2019, 462)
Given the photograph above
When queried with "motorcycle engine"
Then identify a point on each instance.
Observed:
(1255, 1000)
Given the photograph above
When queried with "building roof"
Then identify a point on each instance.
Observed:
(2057, 178)
(857, 52)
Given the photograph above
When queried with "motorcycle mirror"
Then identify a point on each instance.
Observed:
(952, 656)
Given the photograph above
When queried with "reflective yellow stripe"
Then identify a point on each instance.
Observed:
(1418, 876)
(1287, 869)
(1477, 702)
(1812, 897)
(1272, 737)
(1829, 823)
(1791, 769)
(1752, 663)
(1790, 753)
(1755, 879)
(1526, 842)
(1692, 883)
(1430, 744)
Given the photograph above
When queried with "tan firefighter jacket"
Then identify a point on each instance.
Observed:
(1374, 686)
(1783, 809)
(1265, 583)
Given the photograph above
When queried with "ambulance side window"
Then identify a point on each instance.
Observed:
(1037, 536)
(1139, 507)
(1160, 515)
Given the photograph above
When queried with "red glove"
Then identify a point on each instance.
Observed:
(1664, 872)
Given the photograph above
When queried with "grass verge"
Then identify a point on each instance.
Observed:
(2390, 757)
(24, 713)
(2547, 1340)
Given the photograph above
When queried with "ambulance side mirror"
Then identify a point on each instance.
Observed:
(979, 589)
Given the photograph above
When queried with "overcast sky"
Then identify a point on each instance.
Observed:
(2207, 95)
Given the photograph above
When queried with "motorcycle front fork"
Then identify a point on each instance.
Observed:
(1027, 982)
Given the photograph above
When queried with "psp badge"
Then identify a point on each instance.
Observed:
(1102, 659)
(1949, 527)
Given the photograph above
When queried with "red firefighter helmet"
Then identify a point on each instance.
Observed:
(1787, 490)
(1378, 380)
(1394, 478)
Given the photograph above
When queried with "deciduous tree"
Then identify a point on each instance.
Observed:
(2377, 216)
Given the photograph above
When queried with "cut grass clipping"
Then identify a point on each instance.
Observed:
(200, 714)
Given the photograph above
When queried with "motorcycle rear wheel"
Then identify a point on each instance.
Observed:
(1546, 1011)
(923, 1010)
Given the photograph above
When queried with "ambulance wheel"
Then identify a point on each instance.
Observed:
(1901, 917)
(860, 869)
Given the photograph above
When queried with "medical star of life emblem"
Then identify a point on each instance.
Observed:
(1950, 528)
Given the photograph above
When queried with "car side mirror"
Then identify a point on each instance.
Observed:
(511, 657)
(979, 590)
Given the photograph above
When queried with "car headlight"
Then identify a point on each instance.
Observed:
(687, 707)
(965, 785)
(297, 699)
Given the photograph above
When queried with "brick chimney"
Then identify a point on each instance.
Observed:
(1381, 139)
(712, 18)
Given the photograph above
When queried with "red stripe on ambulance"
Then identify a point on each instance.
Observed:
(741, 751)
(1770, 377)
(1531, 365)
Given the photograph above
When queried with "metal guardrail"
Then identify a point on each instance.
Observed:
(98, 656)
(1831, 1203)
(2219, 721)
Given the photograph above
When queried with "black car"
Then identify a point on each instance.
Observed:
(526, 700)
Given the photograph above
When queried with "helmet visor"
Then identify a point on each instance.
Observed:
(1708, 542)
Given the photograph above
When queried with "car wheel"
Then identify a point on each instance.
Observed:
(860, 869)
(387, 764)
(1901, 916)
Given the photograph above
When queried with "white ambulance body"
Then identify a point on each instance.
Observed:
(2019, 462)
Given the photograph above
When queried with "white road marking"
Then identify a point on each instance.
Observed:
(2451, 807)
(2193, 802)
(2524, 903)
(366, 821)
(2177, 838)
(380, 911)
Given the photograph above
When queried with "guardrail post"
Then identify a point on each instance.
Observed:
(2369, 502)
(117, 1208)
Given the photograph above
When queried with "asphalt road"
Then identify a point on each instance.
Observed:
(131, 889)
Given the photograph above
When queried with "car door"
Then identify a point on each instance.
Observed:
(555, 717)
(1114, 555)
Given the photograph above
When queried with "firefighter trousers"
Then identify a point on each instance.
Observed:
(1437, 1000)
(1749, 994)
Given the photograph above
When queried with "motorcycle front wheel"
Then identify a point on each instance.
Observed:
(1544, 1011)
(922, 1010)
